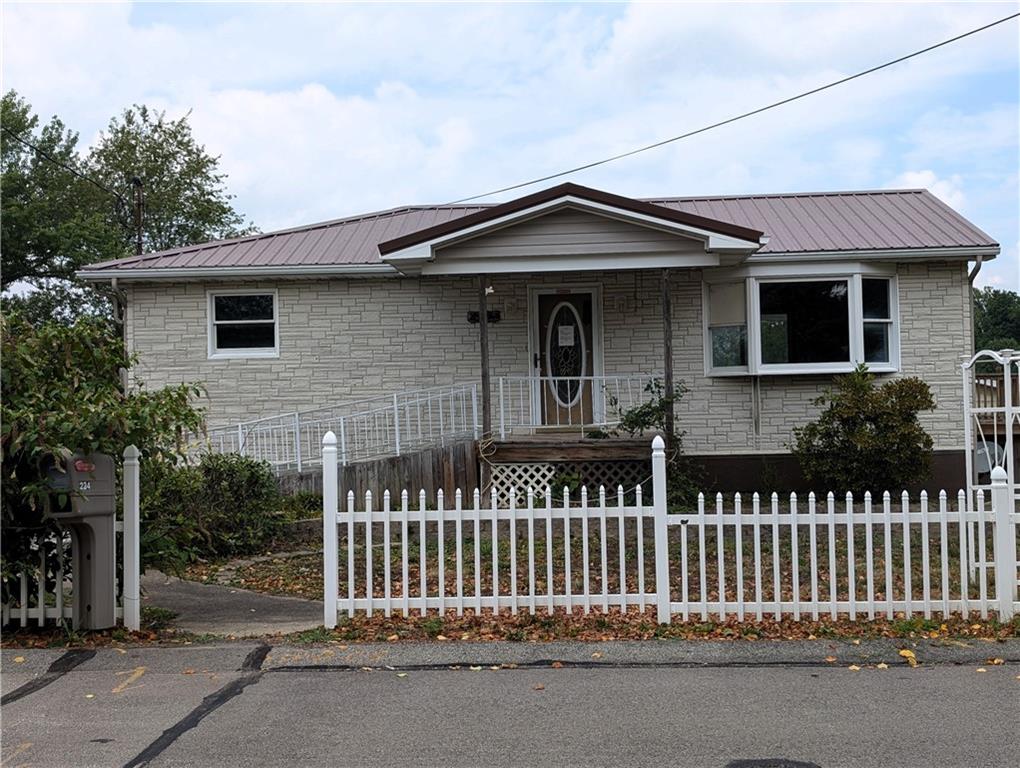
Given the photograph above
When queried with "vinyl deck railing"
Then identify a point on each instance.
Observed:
(580, 403)
(391, 425)
(387, 425)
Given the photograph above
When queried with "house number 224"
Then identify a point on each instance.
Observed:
(85, 485)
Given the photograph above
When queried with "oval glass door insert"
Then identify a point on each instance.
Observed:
(566, 354)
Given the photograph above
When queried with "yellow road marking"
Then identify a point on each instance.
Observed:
(137, 673)
(20, 749)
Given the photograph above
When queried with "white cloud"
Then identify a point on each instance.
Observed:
(948, 190)
(324, 110)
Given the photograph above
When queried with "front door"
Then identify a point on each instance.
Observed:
(565, 361)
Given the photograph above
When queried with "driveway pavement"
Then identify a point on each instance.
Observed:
(733, 705)
(219, 610)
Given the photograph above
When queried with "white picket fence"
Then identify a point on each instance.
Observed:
(56, 605)
(805, 558)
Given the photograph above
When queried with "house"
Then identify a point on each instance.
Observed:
(752, 302)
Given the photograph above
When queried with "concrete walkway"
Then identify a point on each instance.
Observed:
(218, 610)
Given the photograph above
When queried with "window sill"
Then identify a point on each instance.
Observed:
(251, 353)
(821, 369)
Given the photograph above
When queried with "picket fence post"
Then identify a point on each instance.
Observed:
(131, 541)
(1004, 543)
(661, 534)
(330, 544)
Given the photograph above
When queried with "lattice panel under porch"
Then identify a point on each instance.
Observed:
(521, 477)
(591, 474)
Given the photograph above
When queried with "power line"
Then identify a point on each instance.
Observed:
(69, 169)
(735, 118)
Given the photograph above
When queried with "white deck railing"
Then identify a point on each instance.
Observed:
(582, 403)
(389, 425)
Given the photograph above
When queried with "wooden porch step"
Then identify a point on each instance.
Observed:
(569, 449)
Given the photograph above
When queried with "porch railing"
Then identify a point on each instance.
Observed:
(387, 425)
(573, 403)
(391, 425)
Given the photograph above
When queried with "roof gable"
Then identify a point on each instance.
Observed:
(568, 192)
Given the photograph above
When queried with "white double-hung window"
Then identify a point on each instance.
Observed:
(825, 323)
(243, 324)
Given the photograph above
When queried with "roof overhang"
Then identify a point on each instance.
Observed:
(721, 243)
(935, 253)
(236, 273)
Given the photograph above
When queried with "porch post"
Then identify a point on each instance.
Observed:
(667, 359)
(483, 329)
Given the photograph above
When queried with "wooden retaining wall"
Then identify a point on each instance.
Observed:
(448, 467)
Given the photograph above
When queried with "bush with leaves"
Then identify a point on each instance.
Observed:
(868, 438)
(61, 390)
(225, 505)
(652, 415)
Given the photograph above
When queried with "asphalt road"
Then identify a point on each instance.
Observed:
(700, 704)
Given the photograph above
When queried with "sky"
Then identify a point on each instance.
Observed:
(324, 110)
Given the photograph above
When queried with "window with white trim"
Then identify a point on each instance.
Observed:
(727, 327)
(243, 324)
(878, 320)
(823, 323)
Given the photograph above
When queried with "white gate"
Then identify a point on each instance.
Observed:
(991, 399)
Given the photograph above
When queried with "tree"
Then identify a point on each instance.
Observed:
(868, 438)
(54, 221)
(996, 319)
(61, 390)
(185, 194)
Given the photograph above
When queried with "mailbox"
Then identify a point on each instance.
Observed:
(83, 500)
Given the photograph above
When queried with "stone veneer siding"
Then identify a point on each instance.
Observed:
(355, 338)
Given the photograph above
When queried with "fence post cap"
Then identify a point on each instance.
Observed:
(999, 475)
(658, 444)
(131, 452)
(329, 438)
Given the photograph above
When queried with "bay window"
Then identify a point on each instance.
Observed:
(771, 323)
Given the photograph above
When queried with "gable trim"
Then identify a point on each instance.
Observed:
(563, 194)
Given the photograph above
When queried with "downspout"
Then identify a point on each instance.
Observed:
(970, 285)
(120, 317)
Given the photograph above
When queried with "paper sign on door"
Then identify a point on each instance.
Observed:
(565, 337)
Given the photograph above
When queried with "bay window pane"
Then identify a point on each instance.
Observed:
(876, 299)
(876, 342)
(729, 346)
(805, 322)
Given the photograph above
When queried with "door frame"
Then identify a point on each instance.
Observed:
(535, 343)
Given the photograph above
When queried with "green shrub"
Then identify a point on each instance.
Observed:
(868, 438)
(62, 390)
(303, 505)
(226, 505)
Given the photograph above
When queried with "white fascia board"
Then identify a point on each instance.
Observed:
(713, 240)
(963, 253)
(226, 273)
(799, 269)
(601, 262)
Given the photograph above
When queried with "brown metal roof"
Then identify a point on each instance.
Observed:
(795, 223)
